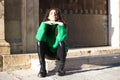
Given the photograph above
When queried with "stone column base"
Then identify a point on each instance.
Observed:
(15, 62)
(4, 47)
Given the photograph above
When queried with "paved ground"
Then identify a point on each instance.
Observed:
(111, 72)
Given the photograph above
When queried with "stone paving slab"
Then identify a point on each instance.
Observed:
(111, 72)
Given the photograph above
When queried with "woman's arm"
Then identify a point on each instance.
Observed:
(40, 33)
(61, 36)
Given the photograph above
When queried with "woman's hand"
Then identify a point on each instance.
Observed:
(56, 22)
(59, 23)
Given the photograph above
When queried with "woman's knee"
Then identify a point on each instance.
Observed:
(62, 44)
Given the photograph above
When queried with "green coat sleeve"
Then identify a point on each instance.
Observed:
(40, 36)
(61, 36)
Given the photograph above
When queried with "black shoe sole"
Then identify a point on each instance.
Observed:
(60, 73)
(41, 74)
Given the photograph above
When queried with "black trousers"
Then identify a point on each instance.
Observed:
(43, 48)
(44, 52)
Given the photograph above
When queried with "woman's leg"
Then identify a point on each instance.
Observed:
(61, 53)
(44, 52)
(41, 54)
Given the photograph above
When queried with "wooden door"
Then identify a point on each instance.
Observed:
(30, 24)
(86, 20)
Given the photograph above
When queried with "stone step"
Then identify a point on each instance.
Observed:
(76, 59)
(75, 63)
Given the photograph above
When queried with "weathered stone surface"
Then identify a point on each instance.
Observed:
(1, 9)
(1, 19)
(4, 47)
(1, 63)
(12, 62)
(17, 62)
(73, 61)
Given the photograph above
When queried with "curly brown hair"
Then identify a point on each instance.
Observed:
(59, 14)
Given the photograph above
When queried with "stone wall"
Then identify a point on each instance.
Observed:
(4, 46)
(21, 23)
(13, 24)
(1, 8)
(1, 17)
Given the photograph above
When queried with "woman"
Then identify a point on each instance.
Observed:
(51, 36)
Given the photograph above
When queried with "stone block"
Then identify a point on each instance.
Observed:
(1, 62)
(73, 61)
(12, 62)
(111, 59)
(4, 47)
(51, 65)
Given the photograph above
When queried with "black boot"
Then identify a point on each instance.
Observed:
(61, 71)
(62, 56)
(41, 55)
(42, 72)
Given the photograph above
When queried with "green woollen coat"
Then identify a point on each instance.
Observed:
(47, 33)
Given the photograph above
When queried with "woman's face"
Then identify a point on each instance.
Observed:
(52, 15)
